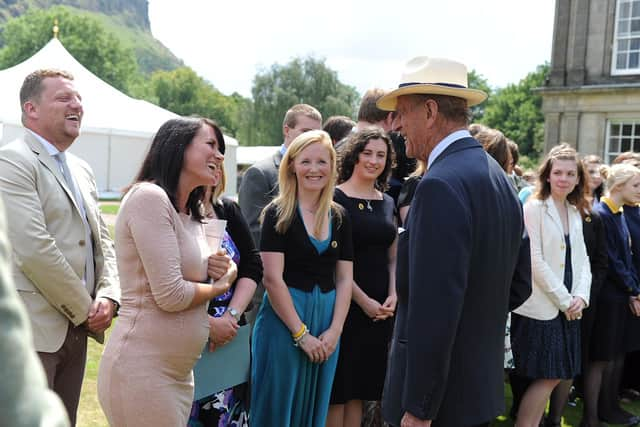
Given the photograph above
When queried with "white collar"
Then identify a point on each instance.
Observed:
(445, 143)
(51, 149)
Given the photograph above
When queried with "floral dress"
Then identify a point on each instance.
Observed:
(226, 407)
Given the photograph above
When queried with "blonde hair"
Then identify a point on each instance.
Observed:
(618, 174)
(287, 200)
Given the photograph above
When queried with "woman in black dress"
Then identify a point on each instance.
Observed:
(364, 169)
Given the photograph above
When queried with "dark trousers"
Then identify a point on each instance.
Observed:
(65, 369)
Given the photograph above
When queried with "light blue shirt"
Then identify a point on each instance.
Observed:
(446, 142)
(51, 149)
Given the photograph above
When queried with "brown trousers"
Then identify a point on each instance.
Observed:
(65, 369)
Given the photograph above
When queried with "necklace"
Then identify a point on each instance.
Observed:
(369, 208)
(311, 211)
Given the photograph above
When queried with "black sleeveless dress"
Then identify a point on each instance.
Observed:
(362, 361)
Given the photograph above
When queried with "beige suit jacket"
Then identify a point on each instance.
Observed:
(47, 236)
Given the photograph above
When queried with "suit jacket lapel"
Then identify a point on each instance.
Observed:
(50, 163)
(552, 212)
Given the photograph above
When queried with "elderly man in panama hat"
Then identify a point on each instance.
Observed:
(456, 258)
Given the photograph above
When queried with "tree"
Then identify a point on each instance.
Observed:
(83, 36)
(477, 81)
(307, 81)
(516, 110)
(184, 92)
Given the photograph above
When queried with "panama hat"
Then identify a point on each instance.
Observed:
(433, 76)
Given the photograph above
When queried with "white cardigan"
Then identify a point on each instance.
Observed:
(548, 252)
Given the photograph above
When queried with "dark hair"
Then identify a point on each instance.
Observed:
(369, 111)
(515, 152)
(598, 192)
(494, 143)
(338, 127)
(404, 166)
(577, 197)
(476, 128)
(451, 107)
(164, 161)
(356, 145)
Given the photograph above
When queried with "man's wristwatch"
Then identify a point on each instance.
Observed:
(233, 312)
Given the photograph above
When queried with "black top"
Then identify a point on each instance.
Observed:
(237, 227)
(596, 242)
(303, 266)
(373, 232)
(632, 217)
(408, 190)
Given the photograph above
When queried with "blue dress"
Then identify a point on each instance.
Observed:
(287, 388)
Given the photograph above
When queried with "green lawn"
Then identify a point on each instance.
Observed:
(109, 208)
(90, 413)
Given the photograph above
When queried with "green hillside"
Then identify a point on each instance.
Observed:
(128, 19)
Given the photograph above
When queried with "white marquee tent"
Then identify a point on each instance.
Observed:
(116, 129)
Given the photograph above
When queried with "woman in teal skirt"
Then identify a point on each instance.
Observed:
(307, 254)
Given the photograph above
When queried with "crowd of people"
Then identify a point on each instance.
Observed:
(389, 269)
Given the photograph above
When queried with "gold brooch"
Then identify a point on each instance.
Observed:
(587, 219)
(334, 244)
(360, 206)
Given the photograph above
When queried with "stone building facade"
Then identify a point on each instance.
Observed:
(592, 95)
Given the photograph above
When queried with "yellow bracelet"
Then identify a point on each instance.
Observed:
(301, 332)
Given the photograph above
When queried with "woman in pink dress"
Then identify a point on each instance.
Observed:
(145, 376)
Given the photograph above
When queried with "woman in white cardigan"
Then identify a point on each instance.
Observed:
(545, 330)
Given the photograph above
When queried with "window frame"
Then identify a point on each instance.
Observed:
(615, 71)
(635, 135)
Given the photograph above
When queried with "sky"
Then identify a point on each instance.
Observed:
(366, 42)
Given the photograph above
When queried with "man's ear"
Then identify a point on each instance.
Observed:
(285, 132)
(29, 109)
(431, 108)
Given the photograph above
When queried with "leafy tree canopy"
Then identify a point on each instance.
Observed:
(307, 81)
(184, 92)
(516, 110)
(477, 81)
(83, 36)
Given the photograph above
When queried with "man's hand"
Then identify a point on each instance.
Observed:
(100, 315)
(409, 420)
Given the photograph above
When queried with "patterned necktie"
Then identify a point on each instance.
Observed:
(89, 274)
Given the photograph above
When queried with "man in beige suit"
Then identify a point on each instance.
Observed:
(63, 259)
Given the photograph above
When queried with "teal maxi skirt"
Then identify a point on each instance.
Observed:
(287, 389)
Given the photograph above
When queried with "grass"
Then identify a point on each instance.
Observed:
(90, 412)
(109, 208)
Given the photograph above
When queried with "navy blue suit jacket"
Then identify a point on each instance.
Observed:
(456, 260)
